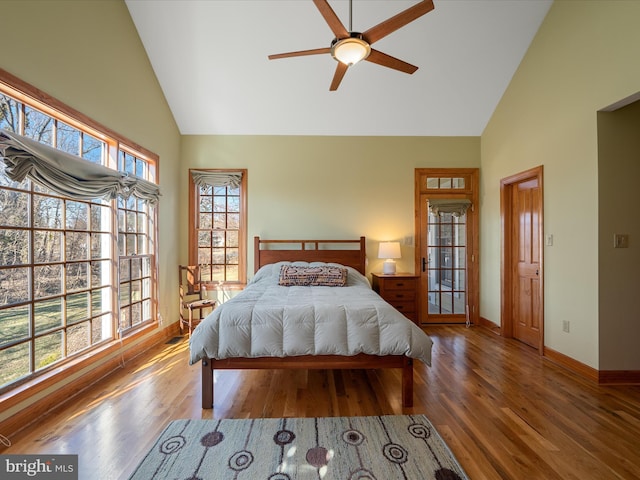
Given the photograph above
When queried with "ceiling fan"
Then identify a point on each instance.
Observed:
(349, 47)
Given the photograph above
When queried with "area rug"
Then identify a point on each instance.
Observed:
(404, 447)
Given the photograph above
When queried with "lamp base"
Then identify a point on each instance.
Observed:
(389, 267)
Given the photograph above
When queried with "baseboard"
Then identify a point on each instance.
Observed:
(602, 377)
(493, 327)
(107, 360)
(571, 364)
(619, 377)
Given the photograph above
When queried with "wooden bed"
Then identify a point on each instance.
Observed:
(351, 253)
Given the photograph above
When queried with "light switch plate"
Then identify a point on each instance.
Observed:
(621, 240)
(548, 240)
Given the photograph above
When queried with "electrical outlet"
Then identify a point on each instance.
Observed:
(565, 326)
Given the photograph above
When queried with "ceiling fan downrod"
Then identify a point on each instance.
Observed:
(350, 15)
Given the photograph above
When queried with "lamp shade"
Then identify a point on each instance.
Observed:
(389, 250)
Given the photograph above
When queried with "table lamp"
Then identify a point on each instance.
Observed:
(389, 251)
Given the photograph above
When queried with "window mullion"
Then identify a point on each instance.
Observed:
(32, 315)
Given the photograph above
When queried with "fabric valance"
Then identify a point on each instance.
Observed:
(68, 175)
(455, 206)
(216, 178)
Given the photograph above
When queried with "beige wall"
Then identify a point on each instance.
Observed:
(618, 174)
(88, 55)
(328, 187)
(582, 59)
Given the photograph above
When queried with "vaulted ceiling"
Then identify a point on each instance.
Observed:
(210, 58)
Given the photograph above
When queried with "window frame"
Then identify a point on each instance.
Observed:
(242, 229)
(32, 98)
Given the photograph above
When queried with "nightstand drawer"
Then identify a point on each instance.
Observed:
(400, 284)
(404, 307)
(394, 296)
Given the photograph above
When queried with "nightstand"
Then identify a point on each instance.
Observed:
(400, 290)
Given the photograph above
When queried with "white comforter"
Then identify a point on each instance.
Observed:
(268, 320)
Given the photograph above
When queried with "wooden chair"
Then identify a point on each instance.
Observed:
(191, 299)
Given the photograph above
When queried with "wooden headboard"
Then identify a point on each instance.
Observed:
(351, 253)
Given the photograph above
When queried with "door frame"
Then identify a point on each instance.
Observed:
(472, 192)
(507, 186)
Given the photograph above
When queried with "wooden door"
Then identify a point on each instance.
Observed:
(526, 262)
(447, 246)
(522, 316)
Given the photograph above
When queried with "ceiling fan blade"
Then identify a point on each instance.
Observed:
(397, 21)
(341, 69)
(392, 62)
(301, 53)
(331, 18)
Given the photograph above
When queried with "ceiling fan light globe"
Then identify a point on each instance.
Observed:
(350, 50)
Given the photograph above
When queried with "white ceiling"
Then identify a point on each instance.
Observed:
(210, 58)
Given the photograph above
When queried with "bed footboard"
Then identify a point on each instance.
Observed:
(321, 362)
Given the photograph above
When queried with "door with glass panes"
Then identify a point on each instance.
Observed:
(446, 255)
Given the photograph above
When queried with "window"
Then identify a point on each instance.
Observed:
(53, 278)
(445, 183)
(218, 237)
(136, 246)
(135, 225)
(59, 285)
(447, 263)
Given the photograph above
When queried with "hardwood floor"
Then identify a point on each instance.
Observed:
(504, 412)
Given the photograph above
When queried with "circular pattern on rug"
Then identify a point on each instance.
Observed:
(240, 460)
(279, 476)
(284, 437)
(395, 453)
(419, 430)
(317, 456)
(212, 439)
(446, 474)
(172, 444)
(362, 474)
(353, 437)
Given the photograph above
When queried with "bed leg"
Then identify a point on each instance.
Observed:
(407, 383)
(207, 384)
